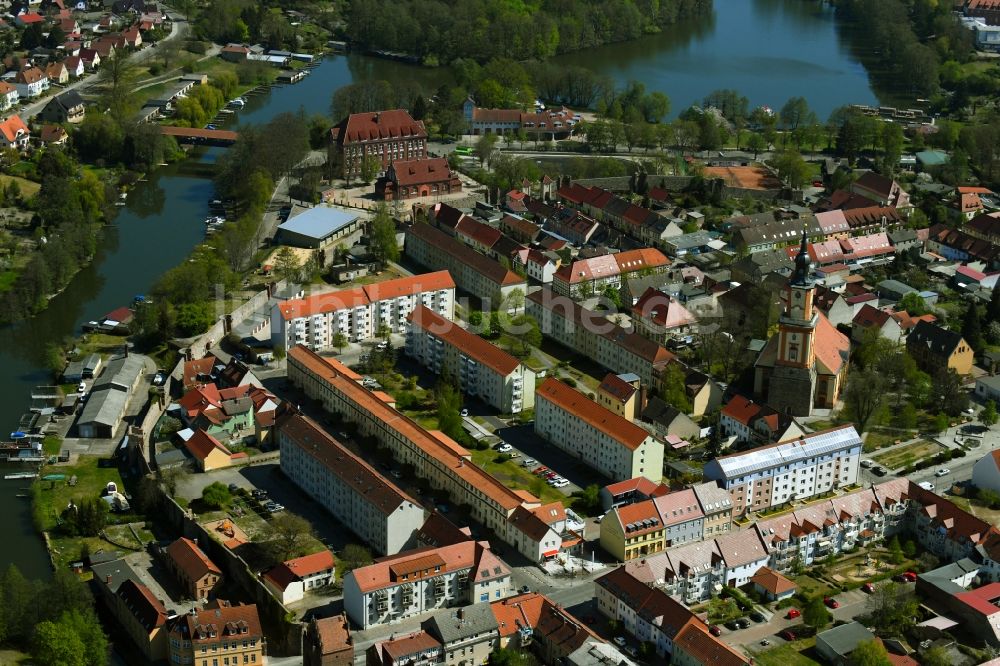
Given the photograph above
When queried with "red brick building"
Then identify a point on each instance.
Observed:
(407, 179)
(387, 135)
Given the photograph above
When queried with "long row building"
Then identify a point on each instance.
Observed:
(361, 312)
(367, 503)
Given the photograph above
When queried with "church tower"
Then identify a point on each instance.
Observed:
(792, 383)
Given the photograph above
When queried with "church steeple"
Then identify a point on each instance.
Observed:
(802, 276)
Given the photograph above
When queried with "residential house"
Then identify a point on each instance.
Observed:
(459, 637)
(383, 135)
(14, 133)
(57, 73)
(472, 272)
(985, 226)
(357, 495)
(631, 491)
(986, 472)
(537, 265)
(53, 135)
(194, 634)
(74, 65)
(661, 318)
(716, 506)
(25, 19)
(327, 642)
(198, 576)
(756, 423)
(520, 229)
(988, 388)
(621, 394)
(228, 413)
(533, 622)
(481, 369)
(408, 179)
(874, 321)
(797, 469)
(955, 245)
(586, 277)
(65, 107)
(668, 421)
(594, 336)
(423, 580)
(833, 306)
(291, 580)
(595, 435)
(681, 516)
(572, 226)
(360, 313)
(91, 58)
(934, 347)
(8, 96)
(905, 239)
(772, 586)
(31, 82)
(135, 608)
(884, 191)
(542, 533)
(631, 531)
(209, 453)
(694, 645)
(836, 645)
(234, 52)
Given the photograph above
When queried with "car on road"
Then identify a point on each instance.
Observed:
(631, 651)
(831, 602)
(792, 613)
(926, 485)
(81, 387)
(944, 471)
(866, 463)
(907, 577)
(743, 623)
(464, 413)
(528, 462)
(757, 616)
(788, 635)
(714, 630)
(600, 518)
(879, 471)
(868, 588)
(505, 448)
(620, 641)
(560, 484)
(258, 493)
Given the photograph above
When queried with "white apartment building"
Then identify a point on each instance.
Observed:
(609, 443)
(434, 456)
(371, 506)
(592, 335)
(360, 313)
(424, 580)
(482, 369)
(794, 470)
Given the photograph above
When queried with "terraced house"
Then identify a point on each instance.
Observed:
(424, 580)
(481, 369)
(360, 313)
(598, 437)
(587, 277)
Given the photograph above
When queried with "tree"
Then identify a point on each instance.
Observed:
(936, 656)
(791, 168)
(865, 395)
(527, 332)
(675, 389)
(795, 112)
(289, 534)
(914, 304)
(993, 307)
(286, 264)
(85, 625)
(370, 166)
(116, 78)
(948, 393)
(339, 340)
(485, 146)
(756, 144)
(891, 607)
(511, 656)
(383, 237)
(216, 495)
(972, 329)
(588, 500)
(56, 644)
(988, 415)
(354, 556)
(815, 613)
(870, 653)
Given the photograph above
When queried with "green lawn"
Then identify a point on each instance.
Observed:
(29, 188)
(811, 586)
(513, 475)
(789, 654)
(908, 455)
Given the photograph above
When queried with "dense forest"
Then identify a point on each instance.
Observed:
(439, 32)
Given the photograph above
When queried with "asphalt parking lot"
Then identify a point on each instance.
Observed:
(530, 446)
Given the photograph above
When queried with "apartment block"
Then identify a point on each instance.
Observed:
(434, 456)
(361, 312)
(794, 470)
(647, 527)
(589, 277)
(481, 369)
(220, 629)
(363, 500)
(424, 580)
(592, 335)
(605, 441)
(477, 274)
(458, 637)
(717, 506)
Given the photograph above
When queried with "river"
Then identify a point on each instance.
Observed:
(769, 50)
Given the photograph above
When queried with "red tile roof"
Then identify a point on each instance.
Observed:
(832, 347)
(662, 310)
(558, 627)
(399, 649)
(218, 619)
(476, 231)
(638, 513)
(361, 296)
(189, 558)
(394, 124)
(871, 316)
(572, 401)
(492, 270)
(290, 571)
(617, 387)
(148, 611)
(640, 485)
(772, 581)
(741, 409)
(201, 444)
(694, 640)
(420, 172)
(467, 343)
(983, 600)
(12, 127)
(609, 265)
(388, 571)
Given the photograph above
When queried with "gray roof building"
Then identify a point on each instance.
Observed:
(318, 225)
(457, 625)
(836, 644)
(114, 573)
(894, 289)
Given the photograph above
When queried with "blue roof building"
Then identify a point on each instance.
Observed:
(318, 227)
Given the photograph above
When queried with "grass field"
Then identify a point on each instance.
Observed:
(811, 586)
(29, 188)
(789, 654)
(908, 455)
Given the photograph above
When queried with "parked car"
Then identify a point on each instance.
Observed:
(743, 623)
(765, 642)
(908, 577)
(715, 630)
(81, 387)
(505, 448)
(599, 518)
(620, 641)
(793, 613)
(528, 462)
(524, 589)
(732, 625)
(831, 602)
(866, 463)
(944, 471)
(868, 587)
(465, 412)
(540, 470)
(879, 471)
(757, 616)
(788, 635)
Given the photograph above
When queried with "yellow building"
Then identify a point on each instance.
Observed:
(622, 395)
(219, 634)
(632, 531)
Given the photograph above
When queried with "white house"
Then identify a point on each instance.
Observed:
(986, 472)
(292, 579)
(31, 82)
(8, 96)
(988, 388)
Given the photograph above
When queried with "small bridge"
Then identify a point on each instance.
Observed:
(201, 136)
